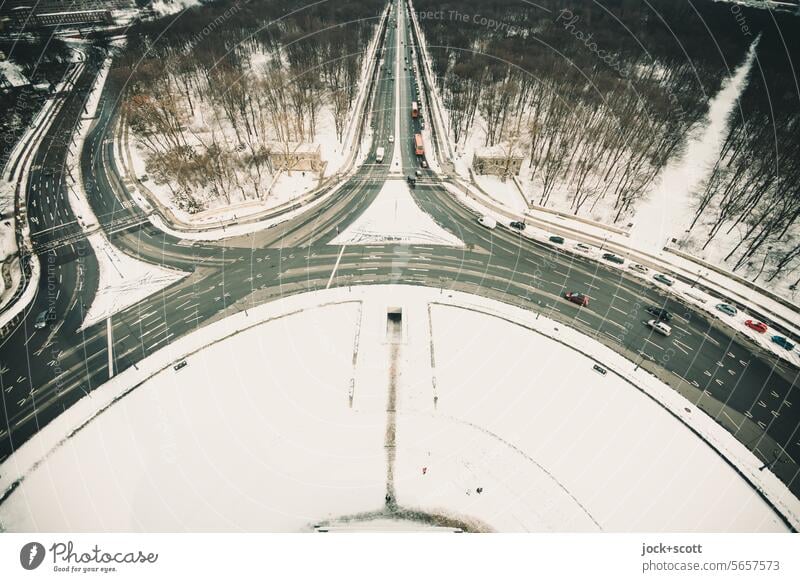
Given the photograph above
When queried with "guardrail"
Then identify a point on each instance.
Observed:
(739, 279)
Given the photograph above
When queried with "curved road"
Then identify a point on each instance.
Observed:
(748, 391)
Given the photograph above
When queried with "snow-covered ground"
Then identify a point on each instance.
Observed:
(12, 73)
(280, 418)
(554, 445)
(394, 217)
(283, 187)
(668, 208)
(505, 192)
(245, 190)
(123, 280)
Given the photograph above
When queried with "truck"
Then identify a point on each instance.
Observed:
(379, 154)
(414, 109)
(418, 147)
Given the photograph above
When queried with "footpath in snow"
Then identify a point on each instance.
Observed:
(667, 209)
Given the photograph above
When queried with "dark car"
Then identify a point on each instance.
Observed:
(783, 342)
(611, 257)
(412, 181)
(517, 224)
(45, 318)
(661, 314)
(577, 298)
(663, 279)
(557, 239)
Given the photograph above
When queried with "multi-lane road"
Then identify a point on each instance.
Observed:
(44, 371)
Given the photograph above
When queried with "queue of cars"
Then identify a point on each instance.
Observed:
(659, 323)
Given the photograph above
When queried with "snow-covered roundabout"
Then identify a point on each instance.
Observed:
(386, 408)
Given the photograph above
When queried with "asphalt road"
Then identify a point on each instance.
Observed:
(746, 390)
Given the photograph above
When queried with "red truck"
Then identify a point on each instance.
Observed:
(418, 149)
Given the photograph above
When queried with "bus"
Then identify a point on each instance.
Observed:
(418, 149)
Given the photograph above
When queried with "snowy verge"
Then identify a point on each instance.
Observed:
(124, 281)
(29, 458)
(394, 217)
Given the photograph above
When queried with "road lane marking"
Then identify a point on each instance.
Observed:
(159, 326)
(336, 266)
(680, 348)
(733, 422)
(110, 335)
(654, 344)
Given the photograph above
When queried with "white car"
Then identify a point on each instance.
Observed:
(659, 327)
(487, 221)
(391, 139)
(638, 267)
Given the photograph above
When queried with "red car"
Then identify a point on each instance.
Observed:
(758, 326)
(577, 298)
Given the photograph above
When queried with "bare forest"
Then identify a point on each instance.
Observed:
(41, 59)
(597, 99)
(750, 204)
(210, 93)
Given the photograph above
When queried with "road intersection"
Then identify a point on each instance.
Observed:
(44, 371)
